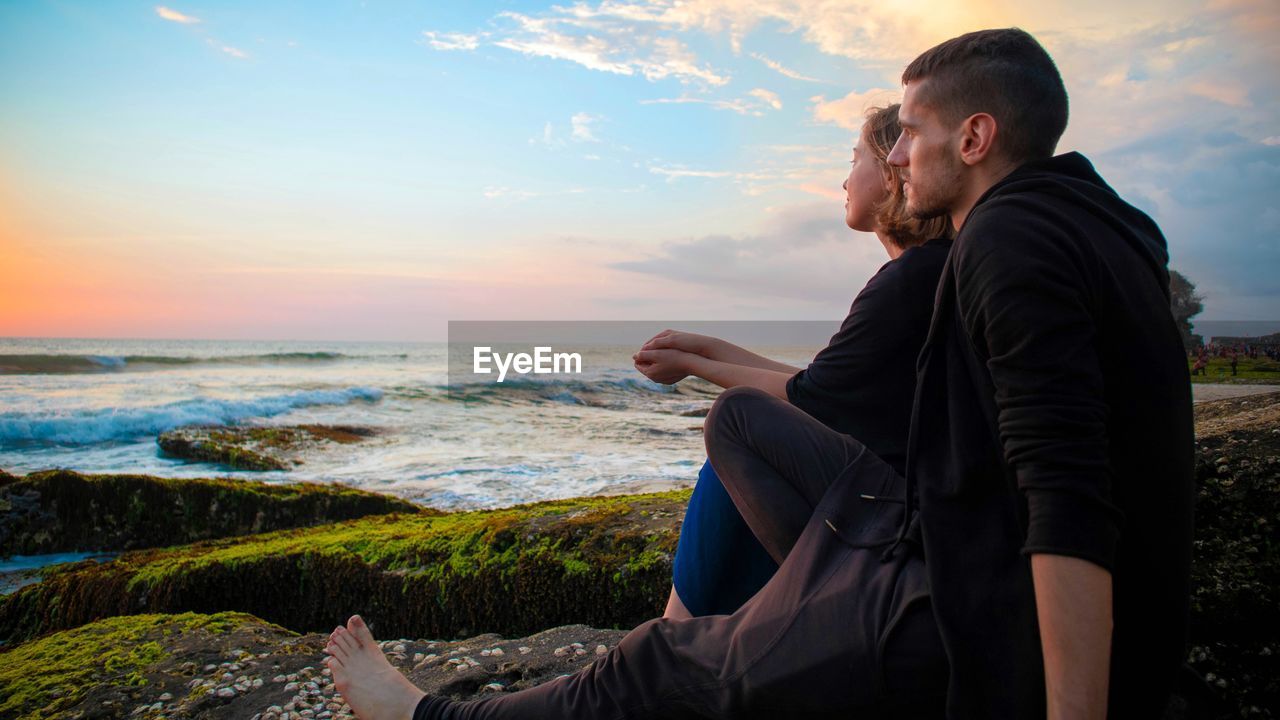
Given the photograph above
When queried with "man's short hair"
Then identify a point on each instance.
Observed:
(1004, 73)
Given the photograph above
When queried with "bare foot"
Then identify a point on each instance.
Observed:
(371, 686)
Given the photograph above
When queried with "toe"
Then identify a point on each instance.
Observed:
(358, 628)
(333, 663)
(336, 650)
(346, 641)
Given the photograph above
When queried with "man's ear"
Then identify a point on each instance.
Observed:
(977, 138)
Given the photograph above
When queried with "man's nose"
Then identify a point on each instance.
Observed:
(898, 155)
(845, 185)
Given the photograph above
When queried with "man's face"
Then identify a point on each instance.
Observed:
(928, 153)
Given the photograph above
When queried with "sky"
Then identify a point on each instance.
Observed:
(348, 170)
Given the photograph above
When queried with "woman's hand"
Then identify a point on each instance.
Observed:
(677, 340)
(664, 365)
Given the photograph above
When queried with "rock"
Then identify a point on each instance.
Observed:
(225, 692)
(75, 511)
(605, 561)
(255, 448)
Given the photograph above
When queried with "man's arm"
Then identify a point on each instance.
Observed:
(1024, 290)
(1073, 602)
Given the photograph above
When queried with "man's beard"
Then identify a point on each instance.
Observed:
(928, 205)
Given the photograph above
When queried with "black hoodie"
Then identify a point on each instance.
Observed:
(1053, 415)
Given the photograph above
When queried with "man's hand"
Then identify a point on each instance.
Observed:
(1073, 602)
(665, 366)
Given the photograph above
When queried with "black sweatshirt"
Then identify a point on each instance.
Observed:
(861, 384)
(1054, 416)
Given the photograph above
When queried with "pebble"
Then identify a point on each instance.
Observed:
(525, 650)
(601, 649)
(493, 687)
(225, 692)
(278, 679)
(398, 648)
(560, 652)
(417, 657)
(291, 687)
(498, 652)
(166, 697)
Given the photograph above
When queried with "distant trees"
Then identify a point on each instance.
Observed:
(1185, 303)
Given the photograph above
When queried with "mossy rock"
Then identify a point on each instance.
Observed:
(64, 511)
(233, 665)
(111, 667)
(602, 561)
(254, 447)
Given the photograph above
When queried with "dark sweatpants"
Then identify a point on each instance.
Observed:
(838, 632)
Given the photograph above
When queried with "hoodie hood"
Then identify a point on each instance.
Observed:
(1071, 179)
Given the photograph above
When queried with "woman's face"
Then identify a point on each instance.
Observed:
(866, 187)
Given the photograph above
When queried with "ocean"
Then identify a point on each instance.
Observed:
(97, 406)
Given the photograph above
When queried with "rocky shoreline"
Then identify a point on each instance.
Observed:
(233, 626)
(257, 448)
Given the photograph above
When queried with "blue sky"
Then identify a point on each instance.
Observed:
(370, 170)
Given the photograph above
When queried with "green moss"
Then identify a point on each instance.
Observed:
(601, 561)
(40, 678)
(76, 512)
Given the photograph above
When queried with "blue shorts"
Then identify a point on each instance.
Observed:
(719, 564)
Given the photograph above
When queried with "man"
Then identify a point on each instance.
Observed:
(1052, 421)
(1055, 409)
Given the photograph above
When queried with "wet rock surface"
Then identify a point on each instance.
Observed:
(257, 448)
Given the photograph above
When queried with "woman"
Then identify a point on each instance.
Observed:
(861, 384)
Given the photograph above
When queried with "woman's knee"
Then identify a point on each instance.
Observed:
(729, 413)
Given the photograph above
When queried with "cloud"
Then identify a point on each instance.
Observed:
(778, 67)
(547, 138)
(234, 52)
(614, 38)
(769, 98)
(451, 40)
(175, 16)
(581, 124)
(804, 252)
(754, 104)
(605, 47)
(1229, 93)
(849, 112)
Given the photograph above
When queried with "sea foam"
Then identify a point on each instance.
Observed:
(85, 427)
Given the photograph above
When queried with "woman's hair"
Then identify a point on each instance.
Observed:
(881, 131)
